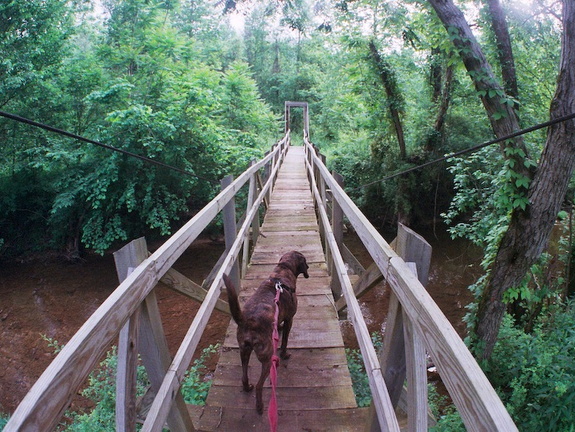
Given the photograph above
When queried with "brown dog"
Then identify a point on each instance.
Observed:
(255, 321)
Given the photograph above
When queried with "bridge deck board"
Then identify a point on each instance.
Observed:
(314, 386)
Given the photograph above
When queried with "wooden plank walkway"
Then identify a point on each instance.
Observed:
(314, 386)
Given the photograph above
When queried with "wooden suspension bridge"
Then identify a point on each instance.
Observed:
(305, 206)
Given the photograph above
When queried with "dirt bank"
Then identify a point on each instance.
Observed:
(54, 299)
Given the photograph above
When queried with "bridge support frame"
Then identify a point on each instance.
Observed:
(288, 106)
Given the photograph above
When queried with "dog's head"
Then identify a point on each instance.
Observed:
(297, 262)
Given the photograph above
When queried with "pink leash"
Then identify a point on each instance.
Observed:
(273, 408)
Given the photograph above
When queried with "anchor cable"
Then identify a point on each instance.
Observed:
(97, 143)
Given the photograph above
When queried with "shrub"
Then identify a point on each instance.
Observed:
(102, 390)
(197, 382)
(3, 420)
(359, 377)
(535, 373)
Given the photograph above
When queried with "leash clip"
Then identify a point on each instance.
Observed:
(279, 287)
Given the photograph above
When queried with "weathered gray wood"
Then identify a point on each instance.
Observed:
(416, 365)
(45, 403)
(171, 383)
(251, 197)
(178, 282)
(211, 418)
(126, 375)
(380, 397)
(156, 359)
(337, 229)
(414, 248)
(370, 278)
(472, 393)
(126, 259)
(153, 347)
(351, 260)
(288, 106)
(261, 186)
(230, 228)
(316, 378)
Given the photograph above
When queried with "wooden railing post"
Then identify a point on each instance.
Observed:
(230, 229)
(127, 259)
(143, 333)
(252, 192)
(337, 228)
(403, 354)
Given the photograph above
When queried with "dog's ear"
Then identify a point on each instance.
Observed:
(302, 265)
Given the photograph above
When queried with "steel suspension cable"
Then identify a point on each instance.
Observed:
(471, 149)
(97, 143)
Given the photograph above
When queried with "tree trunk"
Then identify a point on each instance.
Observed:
(504, 50)
(529, 230)
(499, 107)
(385, 74)
(528, 233)
(442, 97)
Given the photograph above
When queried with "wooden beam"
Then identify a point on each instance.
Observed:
(153, 348)
(230, 229)
(351, 260)
(473, 395)
(337, 228)
(370, 278)
(180, 283)
(416, 368)
(126, 259)
(52, 393)
(414, 248)
(380, 396)
(246, 251)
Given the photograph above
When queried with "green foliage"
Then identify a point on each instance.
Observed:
(479, 207)
(136, 82)
(101, 390)
(446, 415)
(197, 381)
(359, 378)
(3, 420)
(535, 373)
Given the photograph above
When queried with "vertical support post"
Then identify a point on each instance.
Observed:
(251, 197)
(322, 190)
(287, 116)
(126, 260)
(417, 405)
(230, 229)
(152, 346)
(306, 121)
(266, 168)
(337, 228)
(403, 354)
(414, 249)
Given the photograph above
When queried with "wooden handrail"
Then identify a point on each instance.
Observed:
(45, 403)
(160, 408)
(476, 400)
(384, 408)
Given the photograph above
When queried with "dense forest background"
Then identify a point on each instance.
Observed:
(201, 86)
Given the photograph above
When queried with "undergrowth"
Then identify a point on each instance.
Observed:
(101, 390)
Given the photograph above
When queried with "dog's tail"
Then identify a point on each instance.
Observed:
(233, 301)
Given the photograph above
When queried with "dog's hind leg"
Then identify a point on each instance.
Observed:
(266, 365)
(245, 353)
(285, 335)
